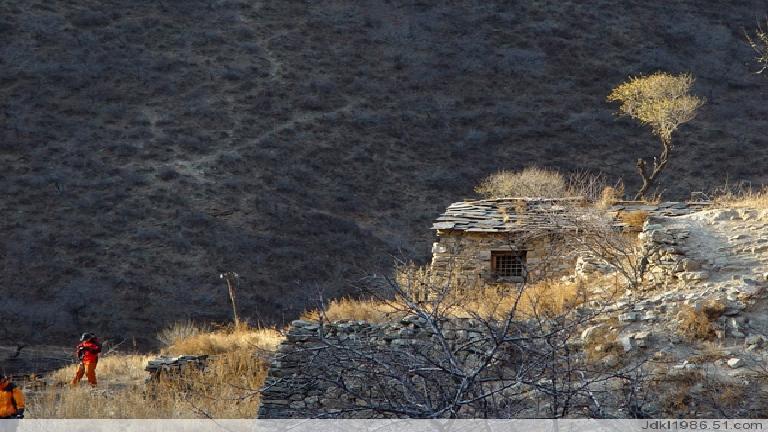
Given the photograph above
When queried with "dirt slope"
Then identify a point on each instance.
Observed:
(148, 145)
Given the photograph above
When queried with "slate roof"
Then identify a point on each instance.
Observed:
(529, 214)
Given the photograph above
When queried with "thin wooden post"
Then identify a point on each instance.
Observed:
(231, 279)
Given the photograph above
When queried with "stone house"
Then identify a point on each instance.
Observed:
(504, 241)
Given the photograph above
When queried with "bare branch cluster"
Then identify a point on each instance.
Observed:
(758, 41)
(530, 182)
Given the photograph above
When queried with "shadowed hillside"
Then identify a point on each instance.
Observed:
(147, 146)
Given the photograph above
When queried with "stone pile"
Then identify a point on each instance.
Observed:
(175, 365)
(668, 263)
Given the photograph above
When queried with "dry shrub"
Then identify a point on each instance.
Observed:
(713, 309)
(530, 182)
(586, 184)
(371, 310)
(603, 342)
(680, 390)
(759, 44)
(728, 395)
(227, 340)
(742, 196)
(610, 195)
(695, 325)
(545, 298)
(179, 331)
(634, 219)
(674, 390)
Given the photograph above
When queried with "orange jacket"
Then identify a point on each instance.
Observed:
(11, 399)
(88, 351)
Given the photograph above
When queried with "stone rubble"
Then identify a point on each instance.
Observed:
(714, 262)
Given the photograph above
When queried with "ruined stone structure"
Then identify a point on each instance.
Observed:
(302, 379)
(504, 241)
(511, 240)
(175, 365)
(699, 259)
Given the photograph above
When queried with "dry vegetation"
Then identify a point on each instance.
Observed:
(634, 219)
(663, 102)
(227, 388)
(697, 325)
(758, 41)
(603, 342)
(530, 182)
(268, 138)
(742, 197)
(545, 298)
(371, 310)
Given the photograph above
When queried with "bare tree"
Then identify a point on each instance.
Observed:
(602, 239)
(759, 44)
(663, 102)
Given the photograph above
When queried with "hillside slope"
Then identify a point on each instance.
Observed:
(147, 146)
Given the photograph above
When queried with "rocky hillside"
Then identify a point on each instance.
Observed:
(147, 146)
(695, 339)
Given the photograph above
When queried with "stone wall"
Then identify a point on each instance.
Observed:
(668, 263)
(467, 256)
(301, 382)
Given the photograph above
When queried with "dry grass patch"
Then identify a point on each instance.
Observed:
(546, 298)
(115, 368)
(226, 340)
(674, 391)
(371, 310)
(227, 388)
(742, 197)
(530, 182)
(709, 353)
(697, 325)
(602, 342)
(634, 219)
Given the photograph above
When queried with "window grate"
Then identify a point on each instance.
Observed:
(508, 264)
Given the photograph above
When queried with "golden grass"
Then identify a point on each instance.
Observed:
(370, 310)
(634, 219)
(227, 388)
(694, 325)
(601, 343)
(743, 198)
(546, 298)
(111, 368)
(222, 341)
(610, 195)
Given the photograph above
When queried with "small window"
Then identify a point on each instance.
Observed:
(508, 264)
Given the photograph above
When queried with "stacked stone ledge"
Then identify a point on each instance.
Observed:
(165, 365)
(293, 391)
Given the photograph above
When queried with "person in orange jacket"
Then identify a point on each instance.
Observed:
(87, 352)
(11, 399)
